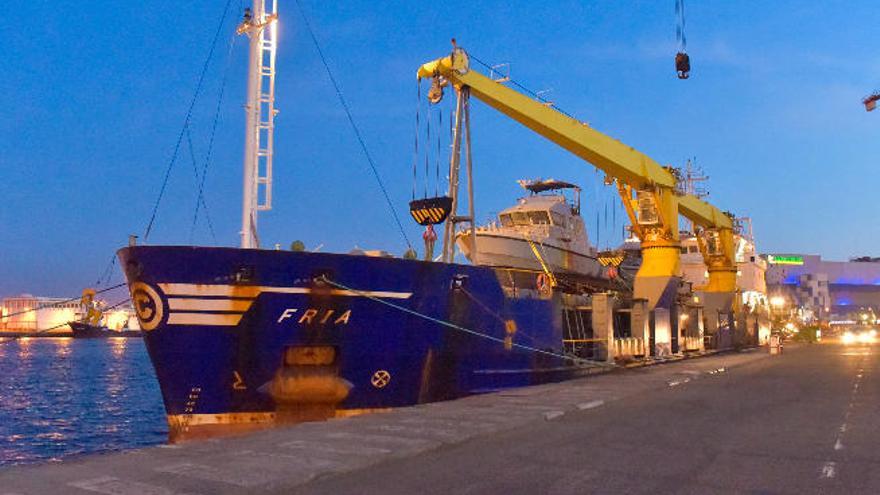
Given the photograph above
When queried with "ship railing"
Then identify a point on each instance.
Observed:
(629, 346)
(692, 343)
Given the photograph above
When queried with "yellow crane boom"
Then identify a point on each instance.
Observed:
(649, 191)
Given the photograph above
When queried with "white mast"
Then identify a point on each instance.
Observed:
(261, 26)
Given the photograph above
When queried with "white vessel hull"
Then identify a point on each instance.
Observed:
(498, 249)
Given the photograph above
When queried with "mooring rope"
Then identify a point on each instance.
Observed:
(582, 363)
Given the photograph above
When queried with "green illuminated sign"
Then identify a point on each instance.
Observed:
(785, 260)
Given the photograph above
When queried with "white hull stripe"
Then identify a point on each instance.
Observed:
(201, 319)
(193, 304)
(223, 305)
(252, 291)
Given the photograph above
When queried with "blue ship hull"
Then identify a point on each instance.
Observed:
(220, 323)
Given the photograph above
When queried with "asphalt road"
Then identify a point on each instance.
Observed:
(803, 422)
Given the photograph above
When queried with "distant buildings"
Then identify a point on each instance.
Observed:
(827, 290)
(27, 313)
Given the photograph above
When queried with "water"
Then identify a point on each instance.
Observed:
(61, 397)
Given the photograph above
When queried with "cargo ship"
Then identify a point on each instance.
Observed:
(245, 338)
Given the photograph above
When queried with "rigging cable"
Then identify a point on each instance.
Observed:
(354, 126)
(209, 154)
(108, 271)
(187, 119)
(200, 198)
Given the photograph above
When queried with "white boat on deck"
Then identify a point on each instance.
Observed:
(543, 231)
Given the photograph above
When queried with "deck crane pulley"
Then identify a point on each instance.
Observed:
(651, 193)
(682, 60)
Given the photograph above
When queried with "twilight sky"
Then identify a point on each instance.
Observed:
(95, 94)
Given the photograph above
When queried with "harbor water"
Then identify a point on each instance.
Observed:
(62, 397)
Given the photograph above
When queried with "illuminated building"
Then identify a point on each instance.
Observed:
(830, 290)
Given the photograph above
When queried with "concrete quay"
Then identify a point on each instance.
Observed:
(294, 459)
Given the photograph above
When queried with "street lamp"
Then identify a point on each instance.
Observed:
(870, 101)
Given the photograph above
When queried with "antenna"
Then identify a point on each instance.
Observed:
(694, 179)
(694, 182)
(261, 26)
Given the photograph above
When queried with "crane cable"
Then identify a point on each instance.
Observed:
(415, 162)
(680, 37)
(354, 126)
(682, 60)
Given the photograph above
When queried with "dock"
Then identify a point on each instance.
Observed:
(301, 458)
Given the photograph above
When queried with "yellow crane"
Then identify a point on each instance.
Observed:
(650, 192)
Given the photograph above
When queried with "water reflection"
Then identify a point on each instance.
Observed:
(62, 396)
(62, 346)
(118, 345)
(24, 348)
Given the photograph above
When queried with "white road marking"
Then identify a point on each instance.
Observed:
(551, 415)
(829, 470)
(116, 486)
(675, 383)
(334, 449)
(838, 445)
(420, 431)
(590, 405)
(380, 439)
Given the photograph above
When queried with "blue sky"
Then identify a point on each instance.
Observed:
(94, 95)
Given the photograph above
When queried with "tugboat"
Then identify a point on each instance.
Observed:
(83, 330)
(89, 325)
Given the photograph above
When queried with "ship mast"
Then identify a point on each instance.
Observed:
(261, 26)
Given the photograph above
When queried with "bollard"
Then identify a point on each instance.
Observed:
(775, 344)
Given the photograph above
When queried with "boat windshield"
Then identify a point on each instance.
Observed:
(525, 218)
